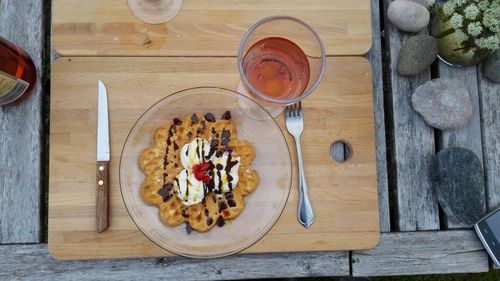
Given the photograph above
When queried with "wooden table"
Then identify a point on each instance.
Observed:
(417, 238)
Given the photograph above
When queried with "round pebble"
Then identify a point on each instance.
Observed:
(408, 16)
(457, 177)
(491, 67)
(443, 103)
(417, 54)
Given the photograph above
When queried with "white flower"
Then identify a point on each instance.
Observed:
(474, 29)
(495, 7)
(471, 12)
(490, 43)
(460, 2)
(456, 21)
(461, 36)
(483, 5)
(449, 8)
(490, 20)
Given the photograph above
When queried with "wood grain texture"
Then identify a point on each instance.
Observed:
(412, 144)
(344, 195)
(375, 57)
(32, 262)
(202, 28)
(102, 198)
(21, 130)
(426, 252)
(469, 136)
(489, 101)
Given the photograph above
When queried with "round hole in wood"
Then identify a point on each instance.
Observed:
(340, 151)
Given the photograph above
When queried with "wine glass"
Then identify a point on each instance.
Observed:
(281, 61)
(155, 11)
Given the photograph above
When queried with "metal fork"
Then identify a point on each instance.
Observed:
(295, 126)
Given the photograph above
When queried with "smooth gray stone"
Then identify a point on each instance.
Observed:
(491, 67)
(408, 16)
(417, 54)
(425, 3)
(443, 103)
(457, 177)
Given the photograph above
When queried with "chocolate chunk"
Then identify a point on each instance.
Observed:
(219, 167)
(210, 117)
(189, 135)
(222, 206)
(176, 146)
(226, 133)
(226, 136)
(203, 123)
(210, 221)
(169, 186)
(194, 119)
(184, 214)
(220, 221)
(229, 195)
(189, 229)
(165, 194)
(213, 198)
(226, 115)
(214, 143)
(217, 135)
(206, 212)
(213, 130)
(177, 121)
(231, 203)
(169, 142)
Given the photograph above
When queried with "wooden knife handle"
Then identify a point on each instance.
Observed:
(102, 203)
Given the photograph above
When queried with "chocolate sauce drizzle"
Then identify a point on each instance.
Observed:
(167, 191)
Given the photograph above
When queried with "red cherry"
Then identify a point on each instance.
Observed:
(196, 168)
(206, 179)
(199, 176)
(204, 166)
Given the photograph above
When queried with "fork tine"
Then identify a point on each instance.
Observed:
(299, 111)
(288, 110)
(294, 110)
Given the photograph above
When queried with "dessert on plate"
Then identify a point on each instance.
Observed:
(198, 172)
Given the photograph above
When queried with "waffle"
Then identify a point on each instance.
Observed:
(162, 166)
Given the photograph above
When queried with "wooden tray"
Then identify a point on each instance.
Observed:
(344, 195)
(202, 27)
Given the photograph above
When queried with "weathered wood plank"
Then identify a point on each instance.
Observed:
(33, 262)
(489, 101)
(22, 22)
(426, 252)
(470, 135)
(412, 144)
(375, 57)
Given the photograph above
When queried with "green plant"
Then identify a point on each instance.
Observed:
(476, 23)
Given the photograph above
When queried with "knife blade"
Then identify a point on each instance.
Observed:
(103, 156)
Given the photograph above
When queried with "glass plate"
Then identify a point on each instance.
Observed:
(272, 162)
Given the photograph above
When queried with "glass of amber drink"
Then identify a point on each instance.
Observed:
(281, 61)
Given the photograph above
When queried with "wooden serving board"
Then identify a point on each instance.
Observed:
(202, 27)
(344, 195)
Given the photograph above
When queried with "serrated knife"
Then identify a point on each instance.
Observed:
(103, 155)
